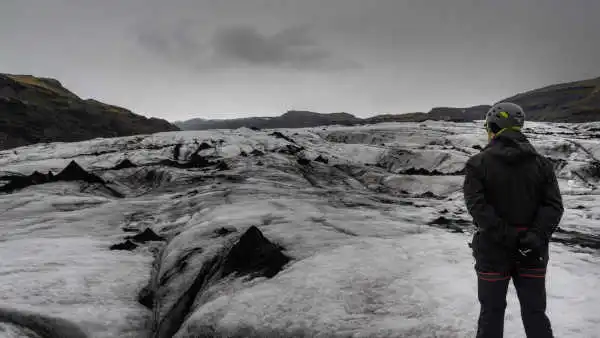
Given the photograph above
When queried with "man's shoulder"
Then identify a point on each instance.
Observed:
(477, 159)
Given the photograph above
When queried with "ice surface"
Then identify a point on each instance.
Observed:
(365, 262)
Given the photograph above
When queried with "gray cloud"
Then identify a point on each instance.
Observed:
(243, 46)
(228, 58)
(291, 47)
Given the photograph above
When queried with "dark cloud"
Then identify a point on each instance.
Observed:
(243, 46)
(291, 47)
(217, 58)
(177, 44)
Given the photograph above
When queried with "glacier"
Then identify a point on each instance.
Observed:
(363, 232)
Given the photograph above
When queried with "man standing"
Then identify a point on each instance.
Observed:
(512, 193)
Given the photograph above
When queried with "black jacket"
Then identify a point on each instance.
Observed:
(509, 185)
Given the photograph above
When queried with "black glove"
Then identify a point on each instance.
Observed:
(530, 244)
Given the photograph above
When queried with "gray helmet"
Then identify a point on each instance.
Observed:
(504, 115)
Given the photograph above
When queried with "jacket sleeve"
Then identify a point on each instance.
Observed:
(483, 214)
(551, 207)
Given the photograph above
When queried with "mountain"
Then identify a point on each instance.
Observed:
(566, 102)
(303, 119)
(357, 231)
(35, 109)
(291, 119)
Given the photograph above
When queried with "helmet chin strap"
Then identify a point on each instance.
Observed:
(492, 135)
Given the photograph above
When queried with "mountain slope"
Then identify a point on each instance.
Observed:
(291, 119)
(566, 102)
(34, 110)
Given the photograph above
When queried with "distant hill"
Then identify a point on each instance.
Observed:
(291, 119)
(34, 110)
(567, 102)
(303, 119)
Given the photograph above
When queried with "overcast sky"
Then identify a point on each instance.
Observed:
(180, 59)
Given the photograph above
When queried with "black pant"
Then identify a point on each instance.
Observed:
(530, 283)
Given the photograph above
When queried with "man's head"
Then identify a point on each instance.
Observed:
(503, 116)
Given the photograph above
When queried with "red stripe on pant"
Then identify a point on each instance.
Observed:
(492, 276)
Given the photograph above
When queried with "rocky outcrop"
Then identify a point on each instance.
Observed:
(126, 246)
(72, 172)
(252, 255)
(146, 236)
(36, 110)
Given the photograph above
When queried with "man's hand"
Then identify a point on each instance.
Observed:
(530, 244)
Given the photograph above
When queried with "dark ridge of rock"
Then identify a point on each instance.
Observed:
(172, 321)
(231, 178)
(128, 229)
(16, 183)
(389, 200)
(222, 166)
(568, 237)
(252, 255)
(445, 211)
(255, 255)
(557, 163)
(243, 154)
(303, 161)
(290, 149)
(146, 297)
(591, 170)
(177, 151)
(146, 236)
(260, 163)
(579, 207)
(203, 146)
(192, 193)
(40, 325)
(429, 194)
(477, 147)
(180, 265)
(456, 225)
(256, 152)
(74, 172)
(125, 164)
(197, 161)
(127, 245)
(255, 128)
(321, 159)
(325, 223)
(222, 231)
(280, 135)
(425, 172)
(39, 178)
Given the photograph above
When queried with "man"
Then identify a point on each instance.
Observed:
(512, 194)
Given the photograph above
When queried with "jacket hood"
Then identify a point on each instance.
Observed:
(511, 146)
